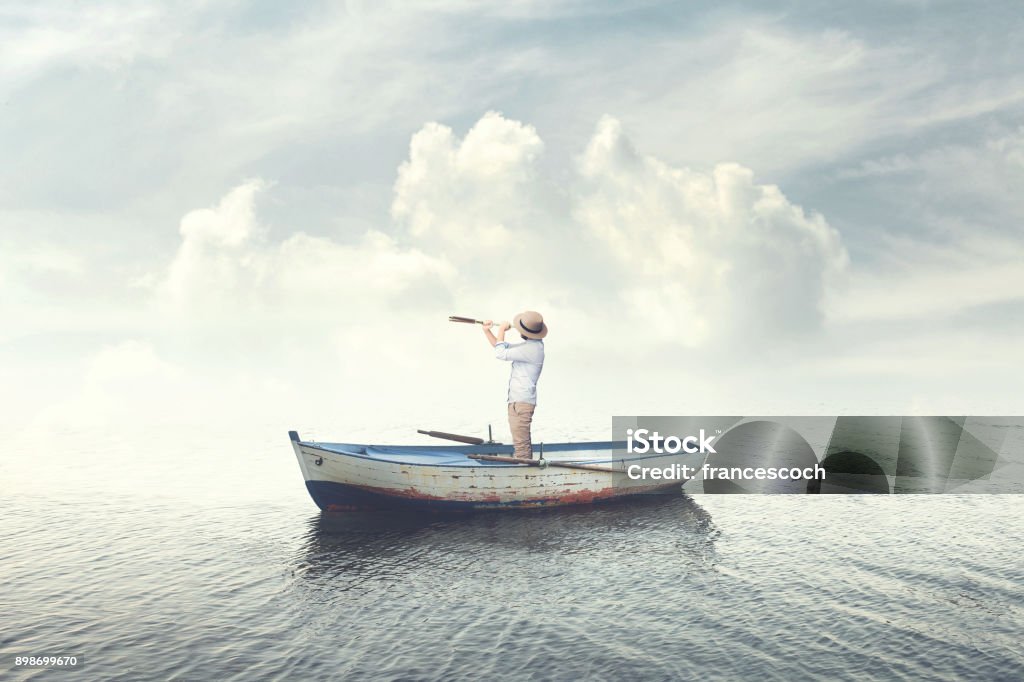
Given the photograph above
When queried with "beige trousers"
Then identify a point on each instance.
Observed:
(520, 416)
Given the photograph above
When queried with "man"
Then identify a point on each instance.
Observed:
(527, 360)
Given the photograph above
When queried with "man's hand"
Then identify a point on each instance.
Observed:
(488, 333)
(502, 328)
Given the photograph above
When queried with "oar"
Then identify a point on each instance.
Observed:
(471, 440)
(543, 462)
(509, 460)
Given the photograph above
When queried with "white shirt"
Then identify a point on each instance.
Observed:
(527, 360)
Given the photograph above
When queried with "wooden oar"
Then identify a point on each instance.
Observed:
(543, 462)
(471, 440)
(508, 460)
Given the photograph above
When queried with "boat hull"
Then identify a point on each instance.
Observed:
(338, 497)
(361, 478)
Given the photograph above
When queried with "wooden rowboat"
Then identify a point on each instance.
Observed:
(355, 477)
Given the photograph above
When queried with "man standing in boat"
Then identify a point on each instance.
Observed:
(527, 360)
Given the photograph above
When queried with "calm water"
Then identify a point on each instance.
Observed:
(203, 557)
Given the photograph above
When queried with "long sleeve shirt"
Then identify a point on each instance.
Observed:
(527, 360)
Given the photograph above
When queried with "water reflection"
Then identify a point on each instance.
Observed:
(347, 550)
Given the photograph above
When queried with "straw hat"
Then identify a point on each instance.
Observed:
(530, 324)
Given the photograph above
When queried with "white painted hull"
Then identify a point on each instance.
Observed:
(341, 478)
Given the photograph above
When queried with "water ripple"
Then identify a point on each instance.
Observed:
(663, 588)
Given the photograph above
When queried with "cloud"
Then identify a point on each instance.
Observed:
(709, 257)
(127, 379)
(211, 261)
(226, 263)
(777, 96)
(989, 167)
(1011, 146)
(966, 249)
(921, 280)
(699, 257)
(470, 191)
(890, 165)
(931, 292)
(38, 37)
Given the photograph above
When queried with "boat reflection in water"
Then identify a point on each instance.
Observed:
(534, 594)
(349, 550)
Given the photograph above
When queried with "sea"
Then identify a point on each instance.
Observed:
(175, 554)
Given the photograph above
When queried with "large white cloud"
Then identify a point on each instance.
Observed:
(483, 204)
(710, 256)
(634, 243)
(694, 256)
(226, 263)
(476, 193)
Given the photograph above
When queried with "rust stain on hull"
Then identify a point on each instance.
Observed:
(391, 498)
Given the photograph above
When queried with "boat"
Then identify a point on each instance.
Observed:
(475, 476)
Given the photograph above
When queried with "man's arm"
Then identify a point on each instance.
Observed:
(502, 328)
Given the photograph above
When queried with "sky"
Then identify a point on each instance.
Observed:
(232, 213)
